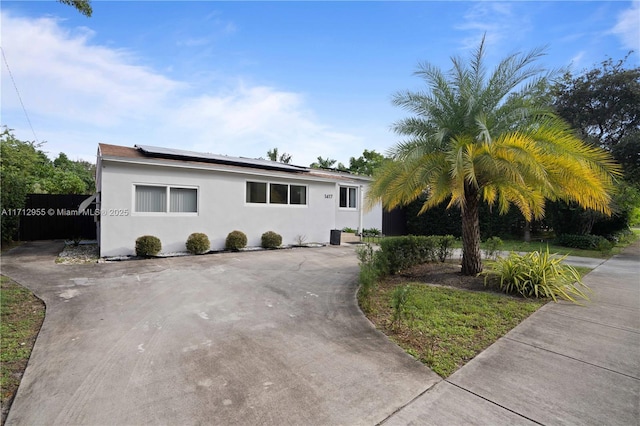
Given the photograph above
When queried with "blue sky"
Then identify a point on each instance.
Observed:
(239, 78)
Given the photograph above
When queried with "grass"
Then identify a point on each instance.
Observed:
(22, 316)
(446, 327)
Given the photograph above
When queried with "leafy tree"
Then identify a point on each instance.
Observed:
(366, 163)
(83, 6)
(25, 169)
(323, 163)
(83, 172)
(603, 104)
(272, 155)
(16, 158)
(480, 137)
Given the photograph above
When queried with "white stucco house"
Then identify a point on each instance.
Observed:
(172, 193)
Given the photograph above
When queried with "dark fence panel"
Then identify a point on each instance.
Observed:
(52, 217)
(394, 222)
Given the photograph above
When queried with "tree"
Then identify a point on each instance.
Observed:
(603, 105)
(21, 164)
(83, 6)
(366, 163)
(273, 156)
(323, 163)
(483, 137)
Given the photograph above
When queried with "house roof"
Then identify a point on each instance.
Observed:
(141, 153)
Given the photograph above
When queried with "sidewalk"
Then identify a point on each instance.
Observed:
(566, 364)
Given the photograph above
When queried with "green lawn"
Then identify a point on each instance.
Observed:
(22, 315)
(446, 327)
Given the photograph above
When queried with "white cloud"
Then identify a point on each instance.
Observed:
(628, 27)
(79, 93)
(496, 20)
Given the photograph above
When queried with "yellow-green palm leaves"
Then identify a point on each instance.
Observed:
(477, 137)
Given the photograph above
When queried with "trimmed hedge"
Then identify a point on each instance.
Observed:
(271, 239)
(398, 253)
(148, 245)
(586, 242)
(236, 240)
(198, 243)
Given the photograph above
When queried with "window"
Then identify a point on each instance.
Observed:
(298, 194)
(278, 193)
(256, 192)
(183, 200)
(153, 199)
(348, 197)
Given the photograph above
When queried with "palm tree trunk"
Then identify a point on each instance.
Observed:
(471, 260)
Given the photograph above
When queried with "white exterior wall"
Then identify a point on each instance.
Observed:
(221, 208)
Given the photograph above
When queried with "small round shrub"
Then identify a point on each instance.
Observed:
(235, 240)
(198, 243)
(271, 240)
(148, 245)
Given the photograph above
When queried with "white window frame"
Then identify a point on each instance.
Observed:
(268, 198)
(355, 197)
(167, 211)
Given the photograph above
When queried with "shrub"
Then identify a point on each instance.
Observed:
(586, 242)
(370, 273)
(399, 299)
(271, 239)
(198, 243)
(148, 245)
(492, 247)
(347, 229)
(371, 232)
(236, 240)
(537, 275)
(399, 253)
(444, 249)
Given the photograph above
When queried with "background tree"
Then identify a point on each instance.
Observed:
(26, 169)
(603, 105)
(480, 137)
(366, 163)
(323, 163)
(272, 155)
(83, 6)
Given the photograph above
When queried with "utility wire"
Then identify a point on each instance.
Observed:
(19, 97)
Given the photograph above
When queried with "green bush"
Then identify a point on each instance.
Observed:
(399, 299)
(371, 232)
(271, 239)
(198, 243)
(372, 268)
(537, 275)
(236, 240)
(148, 245)
(492, 247)
(347, 229)
(585, 242)
(400, 253)
(444, 249)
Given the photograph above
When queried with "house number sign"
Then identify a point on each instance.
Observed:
(328, 195)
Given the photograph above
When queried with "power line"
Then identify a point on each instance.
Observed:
(19, 97)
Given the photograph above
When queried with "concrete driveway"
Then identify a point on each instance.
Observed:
(271, 337)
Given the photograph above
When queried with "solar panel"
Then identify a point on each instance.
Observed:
(156, 151)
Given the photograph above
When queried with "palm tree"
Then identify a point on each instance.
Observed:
(323, 163)
(486, 137)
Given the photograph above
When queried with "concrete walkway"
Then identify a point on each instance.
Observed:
(566, 364)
